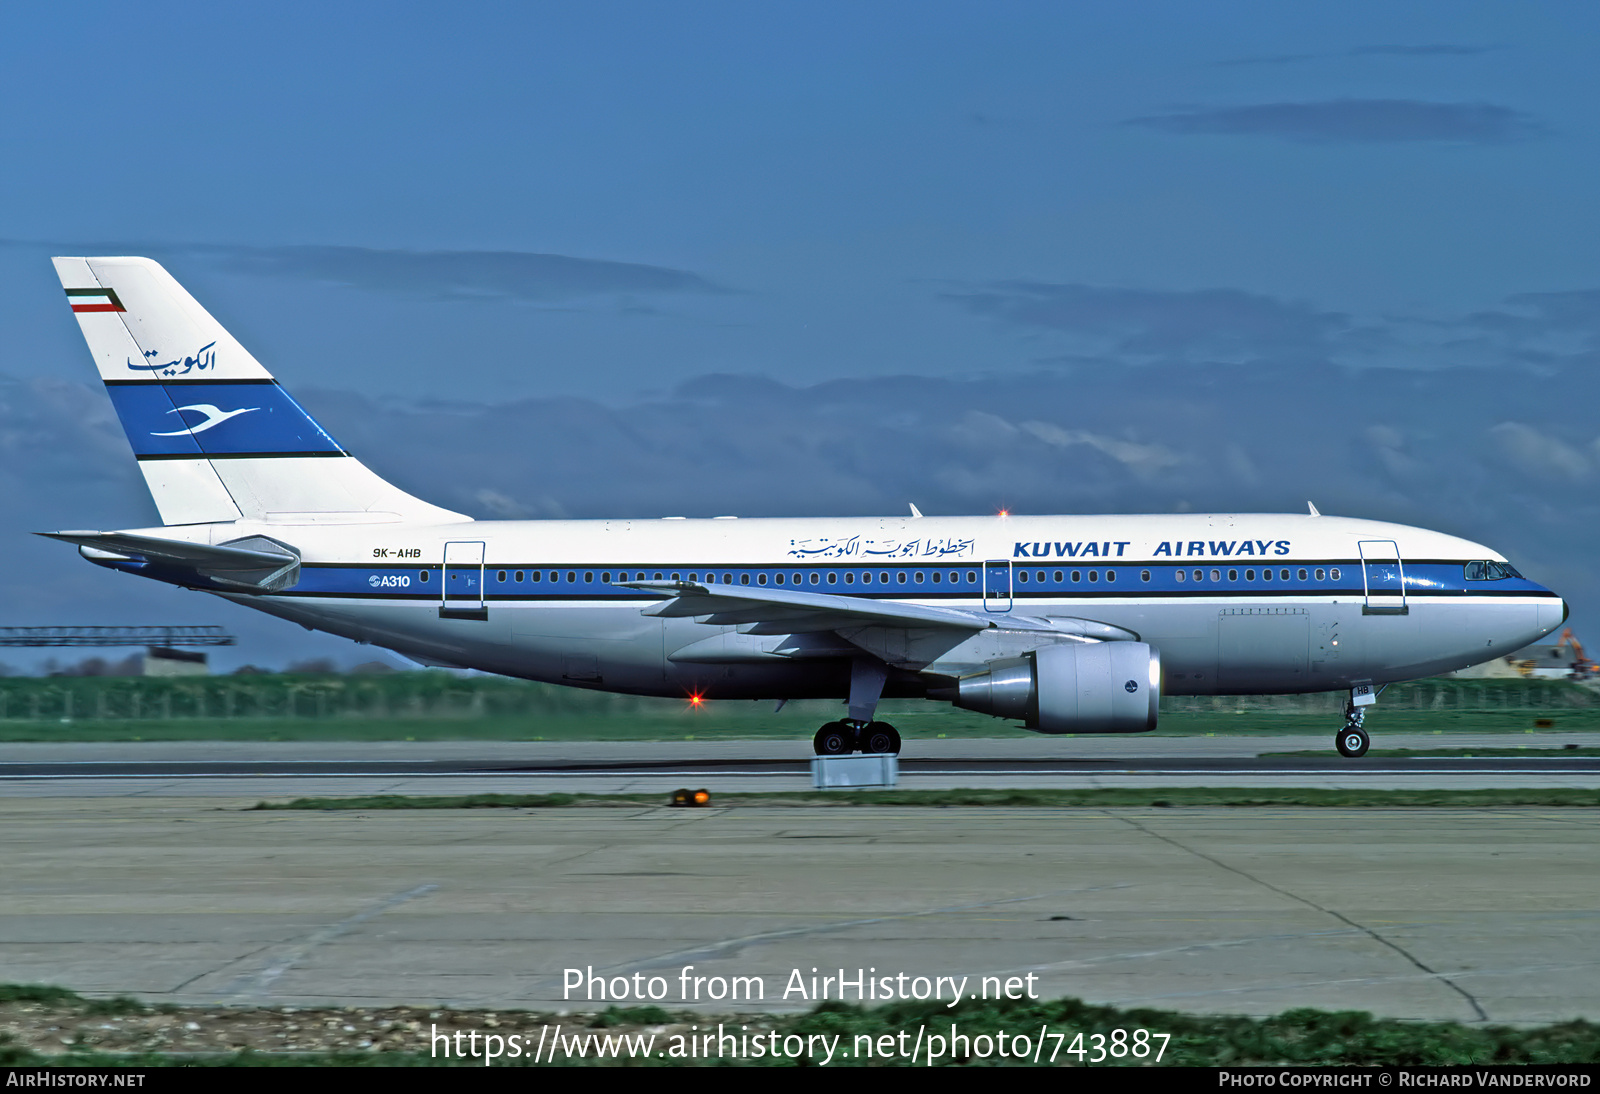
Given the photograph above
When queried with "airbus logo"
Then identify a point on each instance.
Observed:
(215, 416)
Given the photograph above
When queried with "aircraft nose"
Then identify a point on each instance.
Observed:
(1550, 618)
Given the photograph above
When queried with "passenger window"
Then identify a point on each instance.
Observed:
(1058, 577)
(883, 577)
(1199, 575)
(832, 577)
(1077, 575)
(972, 577)
(813, 579)
(761, 579)
(1111, 575)
(937, 577)
(658, 575)
(1094, 575)
(917, 577)
(1284, 575)
(1144, 575)
(727, 579)
(1022, 575)
(675, 577)
(778, 579)
(423, 576)
(744, 579)
(1321, 576)
(901, 577)
(501, 576)
(605, 578)
(1179, 574)
(849, 579)
(519, 577)
(1334, 573)
(1250, 575)
(572, 576)
(535, 575)
(588, 577)
(1216, 575)
(1233, 575)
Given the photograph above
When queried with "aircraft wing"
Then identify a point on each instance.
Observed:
(793, 611)
(254, 563)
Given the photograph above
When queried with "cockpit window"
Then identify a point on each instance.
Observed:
(1490, 571)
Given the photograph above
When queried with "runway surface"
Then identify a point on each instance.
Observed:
(1479, 915)
(301, 768)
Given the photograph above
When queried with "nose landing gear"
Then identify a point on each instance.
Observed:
(1352, 741)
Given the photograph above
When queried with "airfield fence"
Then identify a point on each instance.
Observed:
(440, 695)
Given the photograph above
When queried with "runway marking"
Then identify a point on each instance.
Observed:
(1439, 977)
(257, 985)
(713, 950)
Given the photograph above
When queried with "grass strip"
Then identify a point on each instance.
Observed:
(1460, 753)
(1158, 797)
(881, 1036)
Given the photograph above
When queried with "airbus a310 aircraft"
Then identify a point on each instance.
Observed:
(1067, 624)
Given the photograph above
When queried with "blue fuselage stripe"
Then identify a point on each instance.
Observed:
(560, 582)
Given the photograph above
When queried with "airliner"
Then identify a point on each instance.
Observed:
(1067, 624)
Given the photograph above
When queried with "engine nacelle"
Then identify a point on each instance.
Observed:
(1090, 687)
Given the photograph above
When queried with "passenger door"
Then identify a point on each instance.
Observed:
(1383, 575)
(997, 585)
(463, 581)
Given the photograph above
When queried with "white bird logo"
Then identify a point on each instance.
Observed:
(214, 417)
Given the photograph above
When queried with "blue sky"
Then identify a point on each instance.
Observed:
(1062, 257)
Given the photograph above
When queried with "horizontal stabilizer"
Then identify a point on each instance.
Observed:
(255, 563)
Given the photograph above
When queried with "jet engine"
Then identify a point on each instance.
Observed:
(1089, 687)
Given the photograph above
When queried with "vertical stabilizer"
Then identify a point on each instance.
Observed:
(215, 435)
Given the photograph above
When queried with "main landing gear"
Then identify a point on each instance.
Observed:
(859, 733)
(843, 738)
(1352, 740)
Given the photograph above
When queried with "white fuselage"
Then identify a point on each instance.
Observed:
(1254, 603)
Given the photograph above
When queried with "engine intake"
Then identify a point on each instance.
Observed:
(1093, 687)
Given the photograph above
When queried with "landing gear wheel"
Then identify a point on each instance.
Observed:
(834, 739)
(878, 737)
(1352, 742)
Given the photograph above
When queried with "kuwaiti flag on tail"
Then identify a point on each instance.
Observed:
(94, 300)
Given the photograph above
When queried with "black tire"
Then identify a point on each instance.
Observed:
(1352, 743)
(877, 738)
(834, 739)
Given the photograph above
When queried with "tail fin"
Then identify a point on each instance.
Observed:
(216, 437)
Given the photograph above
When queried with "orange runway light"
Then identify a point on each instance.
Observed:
(690, 799)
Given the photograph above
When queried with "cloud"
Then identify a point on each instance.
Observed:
(1210, 324)
(1144, 460)
(459, 275)
(1436, 50)
(1353, 121)
(1537, 453)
